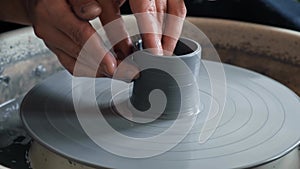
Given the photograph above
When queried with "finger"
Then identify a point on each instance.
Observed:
(83, 34)
(173, 26)
(126, 71)
(66, 60)
(115, 28)
(58, 39)
(86, 9)
(79, 31)
(149, 23)
(73, 66)
(90, 57)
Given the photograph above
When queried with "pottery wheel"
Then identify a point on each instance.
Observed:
(260, 123)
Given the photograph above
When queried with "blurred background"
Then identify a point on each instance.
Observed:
(279, 13)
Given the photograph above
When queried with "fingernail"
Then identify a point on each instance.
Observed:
(106, 71)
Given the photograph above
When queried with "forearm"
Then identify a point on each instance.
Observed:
(14, 11)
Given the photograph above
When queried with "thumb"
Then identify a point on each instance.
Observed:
(86, 9)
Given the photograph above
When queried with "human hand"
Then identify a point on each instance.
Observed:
(115, 30)
(65, 34)
(160, 22)
(111, 19)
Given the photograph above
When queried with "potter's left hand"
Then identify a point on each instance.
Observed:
(110, 17)
(160, 21)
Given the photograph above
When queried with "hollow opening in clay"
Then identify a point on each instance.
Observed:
(184, 47)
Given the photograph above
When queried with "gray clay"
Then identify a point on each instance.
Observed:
(175, 75)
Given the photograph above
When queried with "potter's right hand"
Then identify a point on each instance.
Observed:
(160, 23)
(65, 34)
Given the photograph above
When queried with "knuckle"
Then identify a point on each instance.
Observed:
(76, 33)
(75, 50)
(179, 9)
(81, 33)
(138, 6)
(161, 6)
(181, 12)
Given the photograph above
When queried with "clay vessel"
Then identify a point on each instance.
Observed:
(176, 76)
